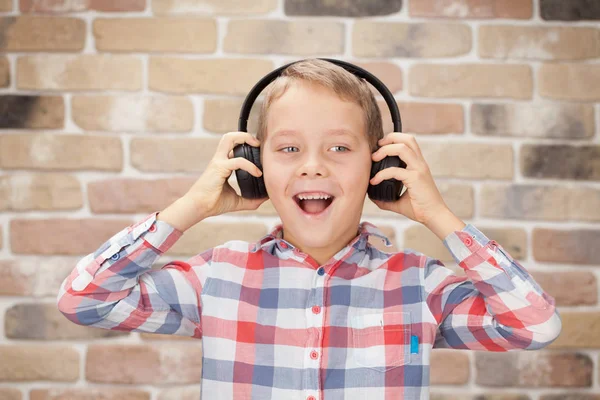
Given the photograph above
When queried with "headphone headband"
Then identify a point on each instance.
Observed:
(356, 70)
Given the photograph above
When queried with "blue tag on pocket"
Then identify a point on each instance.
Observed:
(414, 344)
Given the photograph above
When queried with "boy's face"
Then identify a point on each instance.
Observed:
(309, 158)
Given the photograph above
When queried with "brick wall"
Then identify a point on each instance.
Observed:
(110, 109)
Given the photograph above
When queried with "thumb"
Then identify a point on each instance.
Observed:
(400, 206)
(251, 204)
(385, 205)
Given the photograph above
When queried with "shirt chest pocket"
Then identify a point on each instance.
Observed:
(381, 341)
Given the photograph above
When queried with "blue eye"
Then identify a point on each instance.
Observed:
(288, 147)
(344, 147)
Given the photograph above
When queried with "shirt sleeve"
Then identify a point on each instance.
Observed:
(497, 306)
(116, 288)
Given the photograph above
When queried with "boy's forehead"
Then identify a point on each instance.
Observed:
(338, 132)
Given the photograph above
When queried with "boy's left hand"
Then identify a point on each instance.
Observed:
(422, 201)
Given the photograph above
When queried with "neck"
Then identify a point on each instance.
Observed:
(322, 254)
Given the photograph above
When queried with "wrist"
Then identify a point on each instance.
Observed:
(444, 223)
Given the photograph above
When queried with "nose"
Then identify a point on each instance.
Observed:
(312, 164)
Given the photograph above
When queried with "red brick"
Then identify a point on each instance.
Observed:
(296, 37)
(572, 246)
(44, 192)
(486, 160)
(6, 6)
(39, 362)
(60, 152)
(59, 236)
(538, 43)
(425, 117)
(65, 6)
(133, 113)
(533, 369)
(580, 330)
(183, 393)
(182, 34)
(131, 195)
(569, 81)
(537, 120)
(471, 80)
(449, 367)
(173, 363)
(216, 75)
(79, 72)
(7, 393)
(418, 40)
(390, 74)
(560, 286)
(89, 393)
(515, 9)
(213, 7)
(24, 111)
(155, 154)
(42, 33)
(43, 321)
(33, 276)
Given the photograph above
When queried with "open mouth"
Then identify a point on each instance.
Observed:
(313, 206)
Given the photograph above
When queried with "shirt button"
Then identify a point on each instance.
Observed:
(314, 355)
(152, 228)
(115, 257)
(311, 398)
(321, 271)
(316, 309)
(468, 241)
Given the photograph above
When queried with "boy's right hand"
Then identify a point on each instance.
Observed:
(211, 194)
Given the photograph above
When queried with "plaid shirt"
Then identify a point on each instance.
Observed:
(276, 325)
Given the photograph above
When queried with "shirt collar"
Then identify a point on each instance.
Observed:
(274, 237)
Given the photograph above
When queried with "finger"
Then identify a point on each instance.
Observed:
(399, 137)
(231, 139)
(246, 165)
(252, 141)
(398, 149)
(400, 174)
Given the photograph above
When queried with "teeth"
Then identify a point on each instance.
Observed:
(313, 197)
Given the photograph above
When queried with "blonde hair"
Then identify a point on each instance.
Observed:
(345, 84)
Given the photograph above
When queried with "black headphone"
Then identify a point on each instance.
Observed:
(252, 187)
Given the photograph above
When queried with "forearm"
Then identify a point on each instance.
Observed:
(182, 214)
(108, 275)
(497, 295)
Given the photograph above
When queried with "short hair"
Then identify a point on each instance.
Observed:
(345, 84)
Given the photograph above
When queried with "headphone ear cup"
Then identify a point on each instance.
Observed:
(251, 187)
(387, 190)
(259, 183)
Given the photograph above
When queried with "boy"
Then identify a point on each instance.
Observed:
(312, 310)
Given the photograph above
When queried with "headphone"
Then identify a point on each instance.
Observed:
(252, 187)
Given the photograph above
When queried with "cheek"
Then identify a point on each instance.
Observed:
(275, 176)
(362, 169)
(355, 179)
